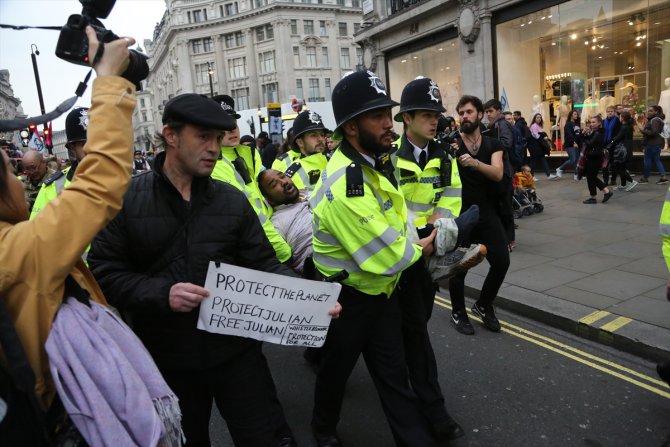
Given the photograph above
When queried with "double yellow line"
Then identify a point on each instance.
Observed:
(621, 372)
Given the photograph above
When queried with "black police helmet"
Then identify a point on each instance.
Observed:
(227, 104)
(306, 121)
(76, 125)
(358, 92)
(420, 94)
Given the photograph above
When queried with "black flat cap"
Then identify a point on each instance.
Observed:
(199, 110)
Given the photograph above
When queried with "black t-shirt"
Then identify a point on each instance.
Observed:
(477, 189)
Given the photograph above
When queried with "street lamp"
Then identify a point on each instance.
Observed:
(34, 52)
(210, 72)
(260, 119)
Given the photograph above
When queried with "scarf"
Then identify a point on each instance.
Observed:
(609, 126)
(108, 382)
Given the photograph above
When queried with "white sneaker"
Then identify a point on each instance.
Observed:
(535, 179)
(456, 261)
(576, 178)
(559, 173)
(553, 177)
(632, 185)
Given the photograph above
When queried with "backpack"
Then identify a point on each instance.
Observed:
(665, 132)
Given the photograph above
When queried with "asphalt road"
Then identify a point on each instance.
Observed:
(530, 385)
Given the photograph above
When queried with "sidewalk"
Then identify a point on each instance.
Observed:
(593, 270)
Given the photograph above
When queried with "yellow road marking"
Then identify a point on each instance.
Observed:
(615, 324)
(594, 316)
(442, 302)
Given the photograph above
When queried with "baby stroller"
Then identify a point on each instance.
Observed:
(526, 202)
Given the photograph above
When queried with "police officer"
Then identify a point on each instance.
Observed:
(308, 138)
(285, 160)
(664, 367)
(239, 165)
(76, 125)
(37, 172)
(358, 221)
(430, 183)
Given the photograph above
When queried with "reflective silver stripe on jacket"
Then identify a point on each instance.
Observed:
(418, 207)
(375, 245)
(59, 183)
(403, 262)
(452, 192)
(664, 229)
(336, 263)
(320, 235)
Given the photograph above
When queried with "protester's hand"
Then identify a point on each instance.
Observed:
(184, 296)
(115, 58)
(427, 244)
(667, 292)
(335, 311)
(432, 219)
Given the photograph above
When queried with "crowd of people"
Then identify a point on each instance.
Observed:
(390, 217)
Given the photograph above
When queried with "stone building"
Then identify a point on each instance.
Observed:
(587, 53)
(10, 107)
(258, 51)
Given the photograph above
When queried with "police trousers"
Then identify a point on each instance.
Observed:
(369, 325)
(416, 295)
(244, 393)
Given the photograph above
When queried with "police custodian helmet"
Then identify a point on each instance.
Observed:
(76, 125)
(358, 92)
(306, 121)
(420, 94)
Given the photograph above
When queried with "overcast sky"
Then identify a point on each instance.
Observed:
(59, 79)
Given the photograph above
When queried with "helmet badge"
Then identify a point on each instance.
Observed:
(434, 92)
(83, 119)
(314, 117)
(377, 83)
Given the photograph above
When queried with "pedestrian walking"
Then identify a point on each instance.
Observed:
(152, 259)
(480, 164)
(359, 230)
(572, 143)
(539, 147)
(594, 158)
(611, 126)
(621, 148)
(652, 143)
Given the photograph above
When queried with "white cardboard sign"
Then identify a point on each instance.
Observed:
(266, 306)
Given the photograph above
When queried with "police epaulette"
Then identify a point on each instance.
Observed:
(56, 175)
(354, 177)
(282, 156)
(292, 169)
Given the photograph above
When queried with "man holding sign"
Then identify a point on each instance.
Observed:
(152, 261)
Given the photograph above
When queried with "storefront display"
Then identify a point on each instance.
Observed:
(585, 55)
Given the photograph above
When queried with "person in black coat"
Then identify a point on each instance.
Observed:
(593, 147)
(623, 140)
(572, 143)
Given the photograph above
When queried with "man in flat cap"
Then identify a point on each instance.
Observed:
(152, 259)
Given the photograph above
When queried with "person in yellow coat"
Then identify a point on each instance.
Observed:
(36, 258)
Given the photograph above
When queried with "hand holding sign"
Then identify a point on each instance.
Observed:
(265, 306)
(184, 296)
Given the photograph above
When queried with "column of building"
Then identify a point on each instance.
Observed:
(220, 73)
(255, 96)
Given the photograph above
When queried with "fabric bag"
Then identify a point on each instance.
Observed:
(619, 153)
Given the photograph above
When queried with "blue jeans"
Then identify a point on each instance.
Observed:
(573, 156)
(652, 154)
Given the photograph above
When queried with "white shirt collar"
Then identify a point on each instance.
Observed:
(418, 150)
(368, 159)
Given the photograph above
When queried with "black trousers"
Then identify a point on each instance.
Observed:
(416, 295)
(244, 393)
(489, 231)
(622, 170)
(369, 325)
(591, 169)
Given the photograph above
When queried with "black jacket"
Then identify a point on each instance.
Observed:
(573, 134)
(594, 145)
(625, 136)
(224, 227)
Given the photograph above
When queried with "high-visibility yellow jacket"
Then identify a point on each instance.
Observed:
(358, 222)
(664, 226)
(226, 172)
(283, 161)
(436, 188)
(50, 190)
(306, 171)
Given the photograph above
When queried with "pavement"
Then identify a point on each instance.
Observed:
(593, 270)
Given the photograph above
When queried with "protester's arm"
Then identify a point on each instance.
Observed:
(61, 232)
(505, 134)
(655, 127)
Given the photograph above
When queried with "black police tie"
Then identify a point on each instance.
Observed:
(422, 160)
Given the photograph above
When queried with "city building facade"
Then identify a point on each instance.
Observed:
(257, 51)
(10, 107)
(542, 56)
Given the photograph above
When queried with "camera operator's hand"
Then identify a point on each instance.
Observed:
(115, 58)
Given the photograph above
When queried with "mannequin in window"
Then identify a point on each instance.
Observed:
(664, 101)
(537, 106)
(629, 94)
(561, 110)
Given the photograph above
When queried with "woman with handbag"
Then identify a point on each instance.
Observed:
(539, 146)
(621, 148)
(595, 154)
(572, 143)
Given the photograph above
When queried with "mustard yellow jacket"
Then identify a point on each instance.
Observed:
(37, 255)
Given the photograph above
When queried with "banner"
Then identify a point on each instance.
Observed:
(266, 306)
(504, 102)
(35, 143)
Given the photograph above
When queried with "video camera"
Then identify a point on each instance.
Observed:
(446, 139)
(72, 43)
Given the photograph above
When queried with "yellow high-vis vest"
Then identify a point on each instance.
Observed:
(664, 227)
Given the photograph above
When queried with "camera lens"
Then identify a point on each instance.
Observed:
(138, 69)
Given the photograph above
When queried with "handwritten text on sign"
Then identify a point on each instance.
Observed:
(265, 306)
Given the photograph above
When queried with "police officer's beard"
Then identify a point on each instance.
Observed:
(467, 127)
(371, 143)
